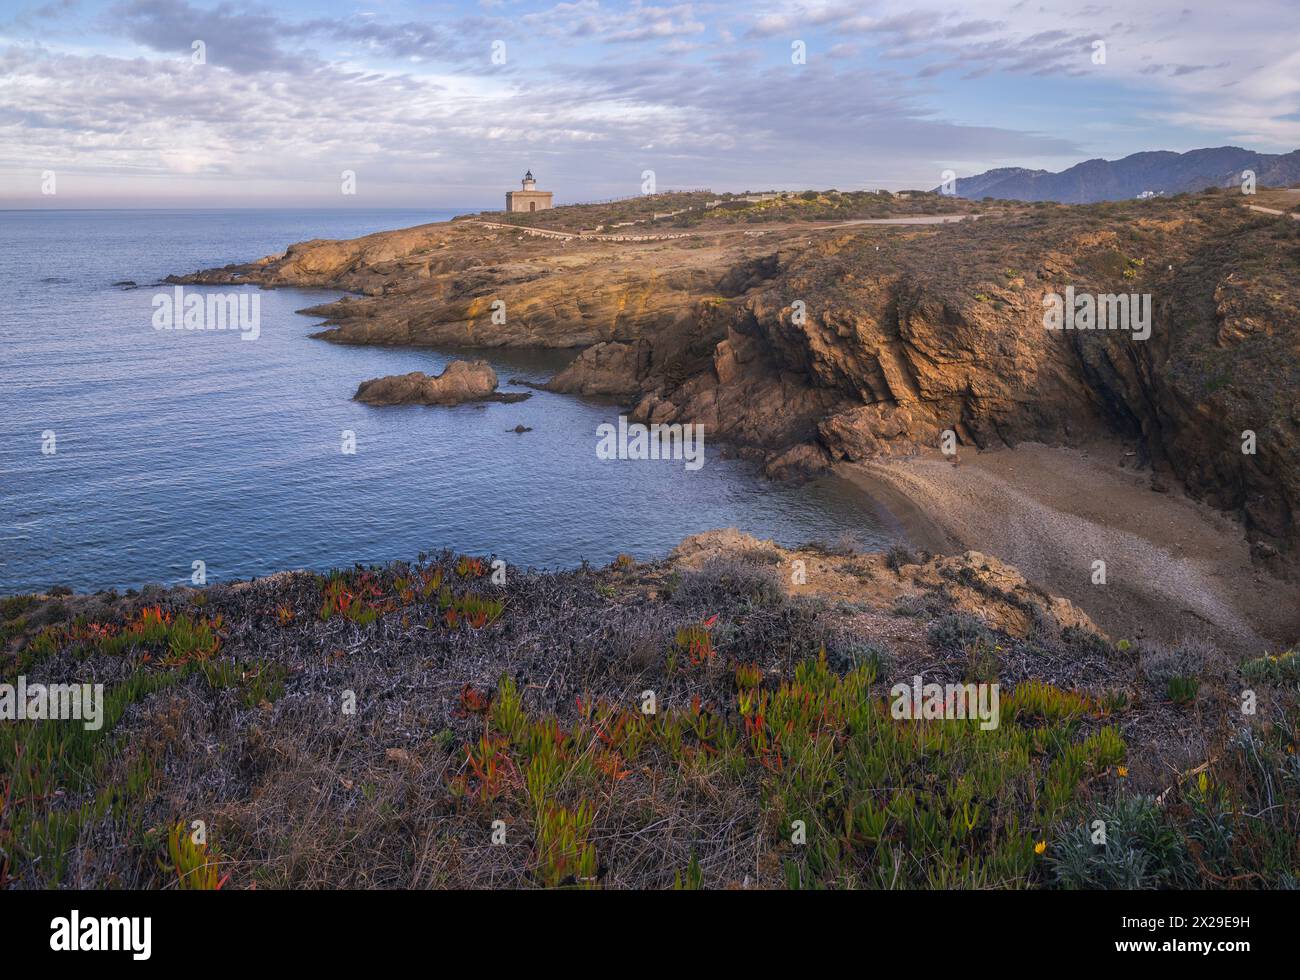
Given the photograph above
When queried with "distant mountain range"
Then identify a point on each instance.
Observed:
(1154, 172)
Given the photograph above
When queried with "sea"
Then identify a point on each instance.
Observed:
(131, 455)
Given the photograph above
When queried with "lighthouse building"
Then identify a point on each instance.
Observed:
(529, 198)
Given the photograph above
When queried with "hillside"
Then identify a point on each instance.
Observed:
(1158, 172)
(907, 330)
(725, 719)
(728, 717)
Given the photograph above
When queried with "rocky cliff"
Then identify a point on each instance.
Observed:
(810, 343)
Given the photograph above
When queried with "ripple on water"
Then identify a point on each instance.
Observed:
(174, 446)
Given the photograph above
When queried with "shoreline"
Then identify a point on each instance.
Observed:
(1175, 567)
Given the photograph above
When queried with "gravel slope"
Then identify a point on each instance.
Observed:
(1173, 567)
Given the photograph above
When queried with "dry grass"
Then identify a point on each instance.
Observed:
(533, 719)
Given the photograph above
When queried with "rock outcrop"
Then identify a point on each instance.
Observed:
(971, 582)
(460, 382)
(808, 345)
(608, 368)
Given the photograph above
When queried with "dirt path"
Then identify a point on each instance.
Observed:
(1256, 207)
(571, 235)
(1173, 567)
(918, 219)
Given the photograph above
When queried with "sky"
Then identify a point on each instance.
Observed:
(191, 103)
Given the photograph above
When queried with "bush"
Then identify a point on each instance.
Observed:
(1162, 665)
(848, 651)
(11, 607)
(725, 579)
(1084, 642)
(639, 638)
(924, 604)
(1226, 824)
(1270, 669)
(54, 611)
(1182, 690)
(1142, 849)
(898, 556)
(959, 632)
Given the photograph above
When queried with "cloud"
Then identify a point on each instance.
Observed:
(592, 93)
(32, 17)
(256, 40)
(241, 40)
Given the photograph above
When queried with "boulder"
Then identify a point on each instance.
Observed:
(611, 368)
(461, 381)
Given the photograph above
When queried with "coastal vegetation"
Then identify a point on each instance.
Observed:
(696, 723)
(717, 720)
(704, 209)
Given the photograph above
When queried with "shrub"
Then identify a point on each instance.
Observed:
(1226, 824)
(196, 866)
(1084, 642)
(11, 607)
(638, 638)
(1188, 659)
(54, 611)
(1271, 669)
(923, 604)
(1182, 690)
(724, 579)
(897, 556)
(848, 651)
(959, 632)
(1141, 849)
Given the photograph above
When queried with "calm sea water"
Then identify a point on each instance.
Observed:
(173, 446)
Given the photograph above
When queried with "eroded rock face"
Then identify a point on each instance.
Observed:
(698, 548)
(973, 582)
(609, 368)
(460, 382)
(1241, 312)
(809, 346)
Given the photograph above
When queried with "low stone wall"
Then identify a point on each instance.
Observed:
(549, 233)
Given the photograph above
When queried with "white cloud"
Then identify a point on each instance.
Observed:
(594, 92)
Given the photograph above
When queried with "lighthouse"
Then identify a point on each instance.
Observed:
(528, 197)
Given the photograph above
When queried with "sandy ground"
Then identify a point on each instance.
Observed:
(1174, 567)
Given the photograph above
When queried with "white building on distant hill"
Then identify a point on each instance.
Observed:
(529, 198)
